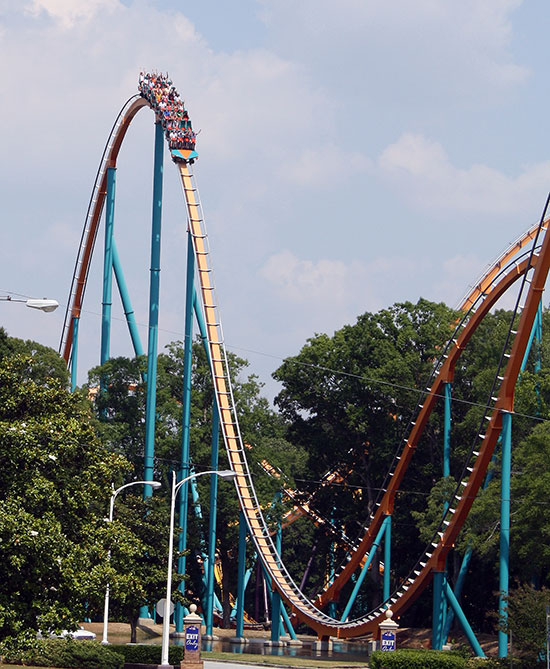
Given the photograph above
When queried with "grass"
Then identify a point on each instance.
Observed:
(252, 658)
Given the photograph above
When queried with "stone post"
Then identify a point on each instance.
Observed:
(388, 631)
(192, 629)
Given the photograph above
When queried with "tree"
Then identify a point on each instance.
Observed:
(42, 362)
(54, 486)
(348, 400)
(527, 611)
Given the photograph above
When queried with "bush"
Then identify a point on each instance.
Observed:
(503, 663)
(148, 654)
(62, 653)
(417, 659)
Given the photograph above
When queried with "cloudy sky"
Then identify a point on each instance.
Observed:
(352, 154)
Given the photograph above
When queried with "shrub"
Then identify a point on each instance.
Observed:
(417, 659)
(148, 654)
(503, 663)
(62, 653)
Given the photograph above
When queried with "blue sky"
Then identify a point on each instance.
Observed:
(352, 155)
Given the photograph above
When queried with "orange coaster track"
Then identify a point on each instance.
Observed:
(492, 285)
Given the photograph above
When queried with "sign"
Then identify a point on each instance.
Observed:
(161, 607)
(192, 637)
(388, 641)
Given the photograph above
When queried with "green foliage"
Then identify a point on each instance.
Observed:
(527, 618)
(63, 653)
(42, 363)
(148, 653)
(416, 659)
(54, 489)
(501, 663)
(348, 399)
(429, 519)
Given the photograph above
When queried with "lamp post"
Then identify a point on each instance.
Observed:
(33, 303)
(153, 484)
(224, 474)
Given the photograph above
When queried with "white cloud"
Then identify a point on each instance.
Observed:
(69, 12)
(420, 168)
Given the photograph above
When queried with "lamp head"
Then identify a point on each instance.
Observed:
(226, 474)
(43, 305)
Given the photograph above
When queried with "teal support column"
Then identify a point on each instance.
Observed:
(275, 596)
(440, 607)
(186, 425)
(538, 336)
(209, 615)
(387, 559)
(438, 610)
(365, 568)
(74, 353)
(474, 643)
(154, 291)
(247, 575)
(239, 631)
(535, 335)
(282, 609)
(126, 303)
(108, 266)
(288, 624)
(504, 530)
(464, 565)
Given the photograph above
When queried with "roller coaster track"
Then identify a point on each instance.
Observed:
(531, 268)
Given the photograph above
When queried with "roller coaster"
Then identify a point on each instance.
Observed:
(526, 261)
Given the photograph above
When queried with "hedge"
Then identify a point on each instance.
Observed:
(417, 659)
(437, 659)
(148, 653)
(64, 653)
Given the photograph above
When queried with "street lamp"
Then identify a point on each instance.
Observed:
(33, 303)
(224, 474)
(153, 484)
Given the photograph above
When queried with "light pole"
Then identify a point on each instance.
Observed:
(33, 303)
(153, 484)
(224, 474)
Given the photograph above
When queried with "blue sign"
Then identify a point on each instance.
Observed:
(388, 641)
(192, 638)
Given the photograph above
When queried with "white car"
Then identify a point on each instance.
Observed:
(80, 634)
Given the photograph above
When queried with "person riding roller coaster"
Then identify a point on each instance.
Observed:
(165, 101)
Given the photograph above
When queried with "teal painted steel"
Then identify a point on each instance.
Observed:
(154, 290)
(438, 610)
(126, 303)
(239, 630)
(474, 643)
(387, 559)
(504, 557)
(275, 596)
(535, 335)
(186, 425)
(209, 614)
(465, 563)
(108, 267)
(538, 336)
(74, 353)
(365, 568)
